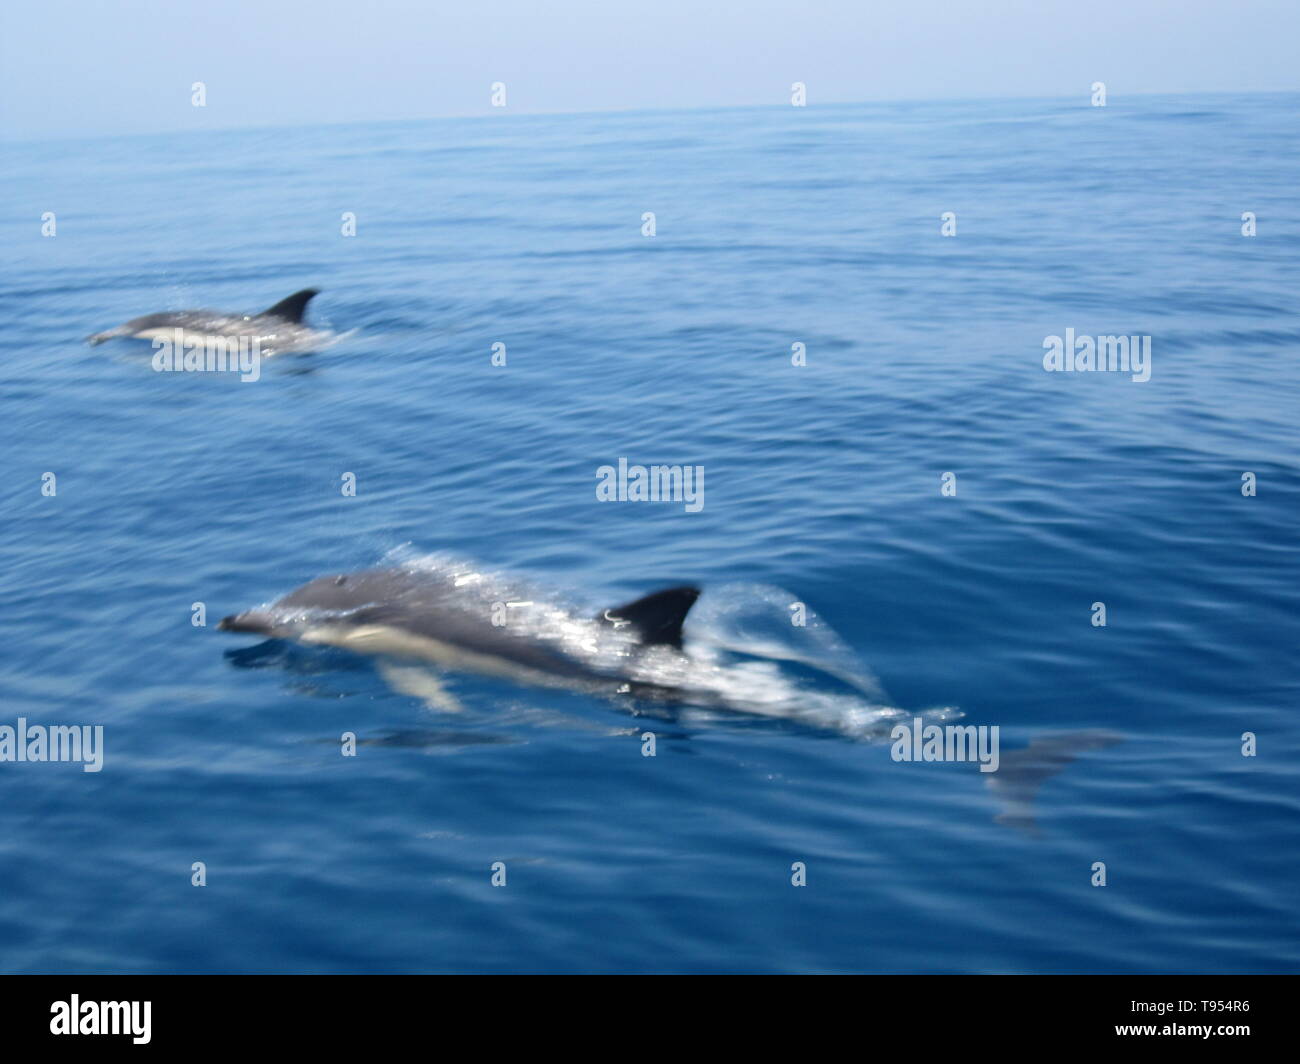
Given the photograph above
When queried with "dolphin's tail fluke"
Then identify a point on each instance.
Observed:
(1021, 773)
(294, 307)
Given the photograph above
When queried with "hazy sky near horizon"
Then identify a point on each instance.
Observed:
(78, 67)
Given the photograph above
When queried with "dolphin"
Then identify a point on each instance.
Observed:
(278, 328)
(454, 618)
(440, 618)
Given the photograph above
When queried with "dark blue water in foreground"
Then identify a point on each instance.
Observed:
(924, 356)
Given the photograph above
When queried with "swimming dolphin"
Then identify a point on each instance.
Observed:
(440, 618)
(278, 328)
(456, 618)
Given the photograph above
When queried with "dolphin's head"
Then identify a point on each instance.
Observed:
(325, 599)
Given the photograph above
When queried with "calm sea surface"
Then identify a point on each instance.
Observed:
(923, 357)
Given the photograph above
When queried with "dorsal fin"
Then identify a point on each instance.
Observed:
(293, 308)
(658, 618)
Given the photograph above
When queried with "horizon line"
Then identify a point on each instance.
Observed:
(498, 114)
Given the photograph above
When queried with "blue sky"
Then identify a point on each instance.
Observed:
(72, 67)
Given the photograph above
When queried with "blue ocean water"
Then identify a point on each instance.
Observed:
(818, 226)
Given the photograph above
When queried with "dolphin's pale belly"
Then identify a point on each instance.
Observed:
(389, 640)
(197, 336)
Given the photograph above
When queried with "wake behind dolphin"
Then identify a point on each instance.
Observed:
(279, 328)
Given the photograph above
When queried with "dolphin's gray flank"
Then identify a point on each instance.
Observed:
(279, 326)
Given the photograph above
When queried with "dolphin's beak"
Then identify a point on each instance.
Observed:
(256, 621)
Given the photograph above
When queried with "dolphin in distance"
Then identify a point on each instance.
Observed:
(280, 327)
